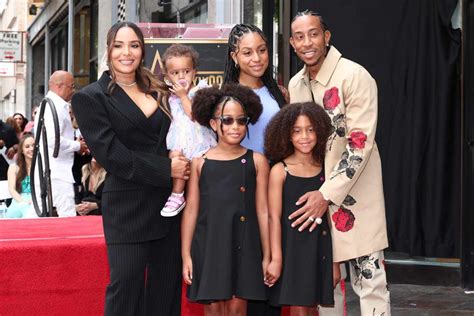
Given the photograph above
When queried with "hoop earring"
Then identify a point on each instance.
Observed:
(237, 65)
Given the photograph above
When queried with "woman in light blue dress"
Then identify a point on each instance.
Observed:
(248, 63)
(19, 181)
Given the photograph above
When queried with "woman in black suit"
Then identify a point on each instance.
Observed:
(124, 118)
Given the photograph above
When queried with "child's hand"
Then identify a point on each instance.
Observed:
(273, 273)
(180, 88)
(336, 273)
(265, 263)
(188, 271)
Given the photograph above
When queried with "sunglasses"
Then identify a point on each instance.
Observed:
(229, 120)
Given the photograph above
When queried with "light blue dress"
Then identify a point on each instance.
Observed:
(257, 130)
(22, 209)
(186, 135)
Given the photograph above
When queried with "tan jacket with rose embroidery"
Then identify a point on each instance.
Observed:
(352, 164)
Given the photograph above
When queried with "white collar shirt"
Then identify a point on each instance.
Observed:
(61, 167)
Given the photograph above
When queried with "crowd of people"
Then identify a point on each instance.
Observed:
(76, 181)
(252, 194)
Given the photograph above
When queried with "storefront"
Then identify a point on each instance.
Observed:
(48, 45)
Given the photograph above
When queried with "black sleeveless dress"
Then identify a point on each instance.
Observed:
(306, 278)
(226, 249)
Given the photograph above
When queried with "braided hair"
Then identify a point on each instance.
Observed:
(307, 12)
(232, 73)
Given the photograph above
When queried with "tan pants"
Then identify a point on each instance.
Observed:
(369, 282)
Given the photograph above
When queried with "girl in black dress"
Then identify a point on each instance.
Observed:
(224, 230)
(301, 269)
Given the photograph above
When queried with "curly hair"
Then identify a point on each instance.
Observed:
(278, 143)
(208, 100)
(232, 73)
(180, 50)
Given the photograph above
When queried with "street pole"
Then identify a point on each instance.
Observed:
(70, 38)
(47, 58)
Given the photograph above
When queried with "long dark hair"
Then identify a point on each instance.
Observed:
(21, 162)
(232, 73)
(147, 82)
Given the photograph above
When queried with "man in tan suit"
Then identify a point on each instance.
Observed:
(353, 191)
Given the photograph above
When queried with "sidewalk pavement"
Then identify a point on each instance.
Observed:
(420, 300)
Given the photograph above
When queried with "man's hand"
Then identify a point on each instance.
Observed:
(84, 150)
(314, 207)
(12, 151)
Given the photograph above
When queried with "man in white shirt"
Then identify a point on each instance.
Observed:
(61, 89)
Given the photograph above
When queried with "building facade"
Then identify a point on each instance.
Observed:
(13, 23)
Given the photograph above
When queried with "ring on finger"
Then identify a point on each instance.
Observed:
(311, 218)
(318, 220)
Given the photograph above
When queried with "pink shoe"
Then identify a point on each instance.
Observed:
(173, 206)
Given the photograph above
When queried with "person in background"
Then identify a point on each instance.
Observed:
(80, 159)
(93, 177)
(61, 89)
(353, 188)
(19, 180)
(8, 147)
(30, 125)
(13, 123)
(124, 118)
(20, 120)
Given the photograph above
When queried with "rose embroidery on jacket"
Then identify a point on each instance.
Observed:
(344, 218)
(348, 164)
(338, 128)
(331, 99)
(357, 140)
(352, 158)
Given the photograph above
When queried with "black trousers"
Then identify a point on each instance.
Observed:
(145, 277)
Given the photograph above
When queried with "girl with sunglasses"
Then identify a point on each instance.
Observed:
(224, 230)
(301, 269)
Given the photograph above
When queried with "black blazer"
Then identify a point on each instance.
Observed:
(133, 152)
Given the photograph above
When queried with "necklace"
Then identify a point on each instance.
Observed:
(126, 84)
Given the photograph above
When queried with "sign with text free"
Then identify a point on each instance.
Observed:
(11, 46)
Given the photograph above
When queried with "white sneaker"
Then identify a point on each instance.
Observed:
(174, 205)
